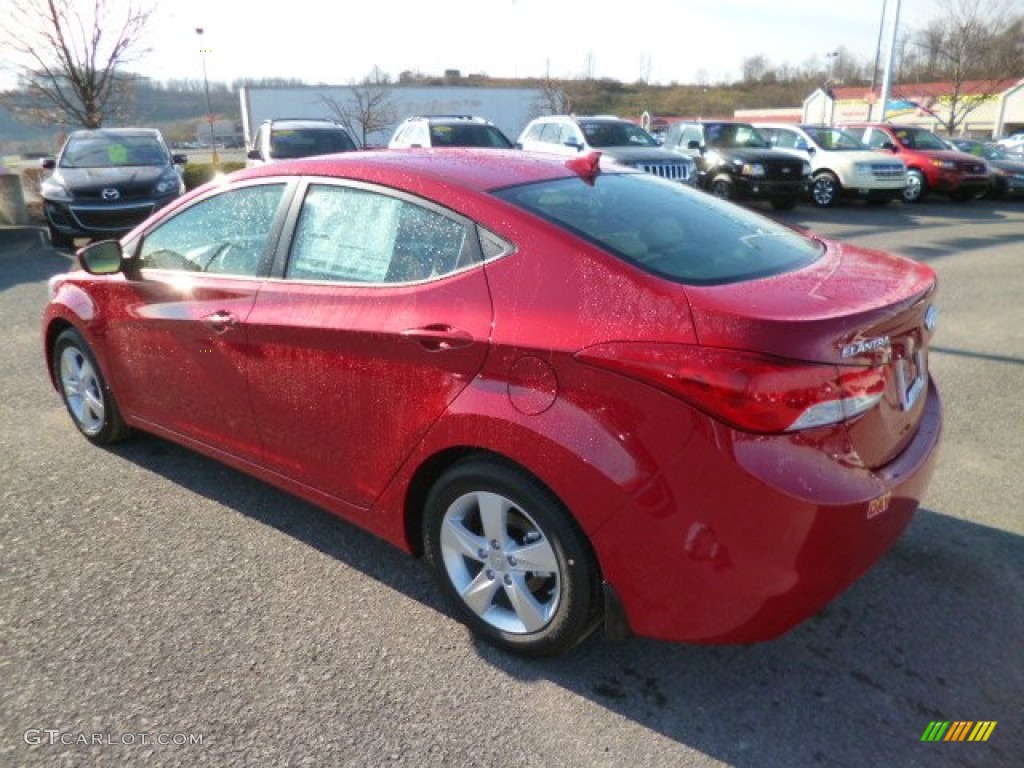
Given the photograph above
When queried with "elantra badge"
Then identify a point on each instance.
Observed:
(863, 347)
(110, 194)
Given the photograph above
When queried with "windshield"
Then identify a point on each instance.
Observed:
(608, 133)
(468, 136)
(108, 151)
(666, 228)
(918, 138)
(833, 139)
(733, 136)
(998, 153)
(288, 143)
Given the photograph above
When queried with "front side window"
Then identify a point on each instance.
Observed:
(918, 138)
(662, 227)
(358, 236)
(225, 234)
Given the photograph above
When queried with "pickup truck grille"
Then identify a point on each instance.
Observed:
(667, 170)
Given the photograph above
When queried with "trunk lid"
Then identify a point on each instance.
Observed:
(852, 308)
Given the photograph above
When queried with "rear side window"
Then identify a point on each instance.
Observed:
(678, 233)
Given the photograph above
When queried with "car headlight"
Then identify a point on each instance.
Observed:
(168, 183)
(52, 189)
(753, 169)
(946, 165)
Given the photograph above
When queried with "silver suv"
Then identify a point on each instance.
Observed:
(448, 131)
(624, 142)
(289, 138)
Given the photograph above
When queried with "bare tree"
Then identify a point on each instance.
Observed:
(69, 56)
(974, 47)
(371, 108)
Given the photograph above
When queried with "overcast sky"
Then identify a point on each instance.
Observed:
(662, 41)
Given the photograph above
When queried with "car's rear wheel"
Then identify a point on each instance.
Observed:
(84, 391)
(825, 190)
(917, 187)
(722, 186)
(509, 559)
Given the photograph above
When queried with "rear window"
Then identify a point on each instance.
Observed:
(666, 228)
(286, 143)
(445, 135)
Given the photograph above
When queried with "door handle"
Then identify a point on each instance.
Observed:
(438, 337)
(220, 321)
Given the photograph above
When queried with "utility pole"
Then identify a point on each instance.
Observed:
(887, 74)
(214, 158)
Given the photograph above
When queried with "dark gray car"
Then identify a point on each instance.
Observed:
(106, 181)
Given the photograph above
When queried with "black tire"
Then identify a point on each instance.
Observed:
(84, 390)
(722, 186)
(785, 203)
(486, 523)
(826, 190)
(917, 187)
(59, 240)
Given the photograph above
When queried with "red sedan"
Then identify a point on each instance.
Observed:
(586, 395)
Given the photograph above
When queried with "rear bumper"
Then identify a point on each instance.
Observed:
(743, 538)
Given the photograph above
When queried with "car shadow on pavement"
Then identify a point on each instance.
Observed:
(933, 632)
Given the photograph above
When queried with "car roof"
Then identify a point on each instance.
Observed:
(305, 122)
(475, 169)
(449, 119)
(85, 132)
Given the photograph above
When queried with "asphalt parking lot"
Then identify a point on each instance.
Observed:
(160, 609)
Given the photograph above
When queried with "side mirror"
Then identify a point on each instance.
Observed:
(102, 258)
(574, 144)
(48, 163)
(254, 154)
(890, 146)
(693, 144)
(179, 159)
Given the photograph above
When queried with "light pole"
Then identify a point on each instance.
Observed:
(830, 58)
(214, 158)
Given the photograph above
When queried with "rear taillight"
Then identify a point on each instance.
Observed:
(752, 392)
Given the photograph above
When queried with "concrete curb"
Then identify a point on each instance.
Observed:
(15, 241)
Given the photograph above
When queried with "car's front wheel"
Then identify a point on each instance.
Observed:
(84, 391)
(722, 186)
(509, 559)
(917, 187)
(825, 190)
(59, 240)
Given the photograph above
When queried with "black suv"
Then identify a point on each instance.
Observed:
(289, 138)
(106, 181)
(735, 162)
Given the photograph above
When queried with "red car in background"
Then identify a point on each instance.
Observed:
(586, 395)
(931, 165)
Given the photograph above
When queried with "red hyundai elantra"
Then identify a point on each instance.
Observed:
(584, 394)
